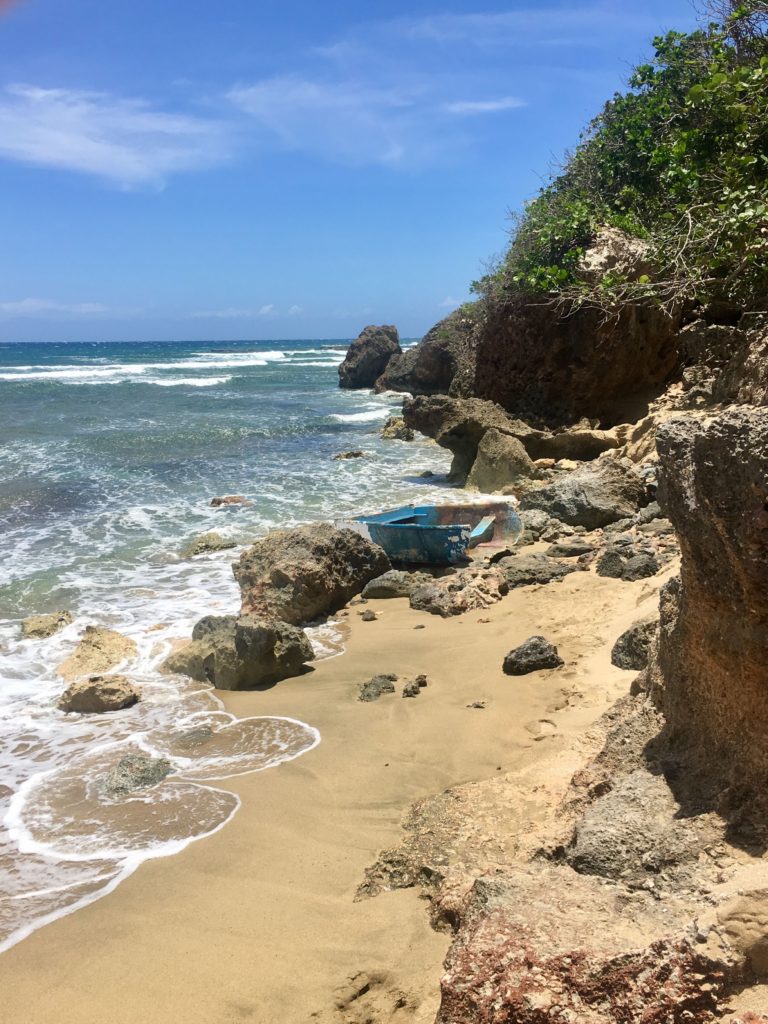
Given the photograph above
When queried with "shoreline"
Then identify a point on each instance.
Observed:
(281, 884)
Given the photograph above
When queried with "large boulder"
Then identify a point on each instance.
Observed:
(536, 568)
(533, 655)
(710, 676)
(302, 574)
(437, 365)
(99, 650)
(368, 356)
(242, 653)
(39, 627)
(592, 496)
(632, 648)
(460, 425)
(500, 462)
(97, 694)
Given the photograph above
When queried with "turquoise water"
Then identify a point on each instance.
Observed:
(110, 455)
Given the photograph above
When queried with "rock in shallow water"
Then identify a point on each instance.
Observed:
(205, 543)
(98, 694)
(135, 772)
(532, 655)
(395, 430)
(368, 355)
(99, 650)
(242, 653)
(39, 627)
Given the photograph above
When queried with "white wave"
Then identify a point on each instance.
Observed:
(361, 417)
(190, 382)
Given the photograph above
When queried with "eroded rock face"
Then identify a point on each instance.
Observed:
(368, 356)
(614, 252)
(460, 425)
(99, 650)
(302, 574)
(592, 496)
(711, 674)
(39, 627)
(530, 951)
(462, 592)
(97, 694)
(501, 461)
(242, 653)
(438, 364)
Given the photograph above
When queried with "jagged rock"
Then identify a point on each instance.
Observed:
(532, 655)
(395, 430)
(536, 946)
(375, 687)
(229, 499)
(368, 615)
(99, 650)
(241, 653)
(614, 251)
(631, 649)
(412, 689)
(394, 583)
(640, 567)
(443, 356)
(525, 570)
(301, 574)
(461, 592)
(535, 522)
(577, 443)
(711, 673)
(593, 496)
(135, 772)
(205, 543)
(501, 460)
(646, 515)
(612, 563)
(368, 356)
(632, 832)
(354, 453)
(39, 627)
(97, 694)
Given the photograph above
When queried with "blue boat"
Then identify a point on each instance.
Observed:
(438, 534)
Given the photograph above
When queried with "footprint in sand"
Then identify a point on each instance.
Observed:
(542, 728)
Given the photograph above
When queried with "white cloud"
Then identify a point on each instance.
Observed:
(233, 313)
(267, 310)
(344, 120)
(295, 311)
(125, 141)
(470, 107)
(450, 303)
(48, 308)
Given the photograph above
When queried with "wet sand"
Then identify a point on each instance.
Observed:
(258, 923)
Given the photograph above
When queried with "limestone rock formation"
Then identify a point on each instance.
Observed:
(711, 672)
(97, 694)
(242, 653)
(501, 461)
(595, 495)
(302, 574)
(39, 627)
(526, 570)
(461, 592)
(441, 362)
(394, 583)
(395, 430)
(614, 251)
(205, 543)
(99, 650)
(373, 688)
(368, 356)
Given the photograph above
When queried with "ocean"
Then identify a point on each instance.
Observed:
(109, 457)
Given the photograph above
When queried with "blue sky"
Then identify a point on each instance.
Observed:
(293, 169)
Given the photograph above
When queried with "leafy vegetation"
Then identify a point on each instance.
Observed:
(680, 160)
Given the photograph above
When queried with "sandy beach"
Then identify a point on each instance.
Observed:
(259, 922)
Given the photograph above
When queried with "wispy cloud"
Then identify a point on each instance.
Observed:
(470, 107)
(450, 303)
(347, 119)
(125, 141)
(44, 308)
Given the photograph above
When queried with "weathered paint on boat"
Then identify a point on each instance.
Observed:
(437, 534)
